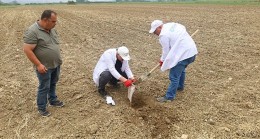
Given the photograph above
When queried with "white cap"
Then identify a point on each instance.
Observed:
(123, 52)
(154, 25)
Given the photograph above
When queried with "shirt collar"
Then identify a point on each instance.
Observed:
(40, 28)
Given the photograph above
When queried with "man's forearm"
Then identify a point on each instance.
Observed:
(32, 57)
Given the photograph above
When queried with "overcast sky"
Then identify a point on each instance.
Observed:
(36, 1)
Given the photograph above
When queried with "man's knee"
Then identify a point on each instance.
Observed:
(104, 78)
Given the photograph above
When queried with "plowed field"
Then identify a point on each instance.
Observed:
(222, 95)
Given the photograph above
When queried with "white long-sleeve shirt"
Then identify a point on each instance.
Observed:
(177, 45)
(107, 63)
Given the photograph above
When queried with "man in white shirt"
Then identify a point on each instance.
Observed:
(178, 51)
(113, 67)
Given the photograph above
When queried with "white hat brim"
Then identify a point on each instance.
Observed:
(126, 57)
(152, 30)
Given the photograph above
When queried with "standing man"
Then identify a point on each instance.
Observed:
(178, 51)
(113, 67)
(41, 46)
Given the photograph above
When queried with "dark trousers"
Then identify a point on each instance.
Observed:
(107, 77)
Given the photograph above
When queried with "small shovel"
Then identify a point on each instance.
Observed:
(131, 90)
(146, 75)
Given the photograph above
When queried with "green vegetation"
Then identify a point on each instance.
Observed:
(210, 2)
(71, 2)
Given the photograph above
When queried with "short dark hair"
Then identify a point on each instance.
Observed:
(47, 14)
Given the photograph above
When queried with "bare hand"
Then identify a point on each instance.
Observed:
(42, 69)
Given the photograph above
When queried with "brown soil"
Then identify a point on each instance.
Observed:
(221, 99)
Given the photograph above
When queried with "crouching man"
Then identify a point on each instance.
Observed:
(113, 67)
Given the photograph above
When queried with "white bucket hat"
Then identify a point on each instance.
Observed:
(154, 25)
(123, 52)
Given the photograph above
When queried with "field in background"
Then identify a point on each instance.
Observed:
(220, 100)
(227, 2)
(222, 2)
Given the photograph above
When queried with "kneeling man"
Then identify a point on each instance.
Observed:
(113, 67)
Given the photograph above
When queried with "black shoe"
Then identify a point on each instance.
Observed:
(57, 103)
(180, 89)
(44, 113)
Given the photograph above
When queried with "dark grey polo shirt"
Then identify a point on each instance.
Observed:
(47, 48)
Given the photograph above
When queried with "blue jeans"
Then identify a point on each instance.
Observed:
(47, 87)
(177, 77)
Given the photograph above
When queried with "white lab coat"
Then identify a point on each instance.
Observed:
(107, 63)
(177, 45)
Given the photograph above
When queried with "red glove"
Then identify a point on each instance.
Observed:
(128, 83)
(161, 63)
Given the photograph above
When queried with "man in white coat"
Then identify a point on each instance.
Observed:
(178, 51)
(113, 67)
